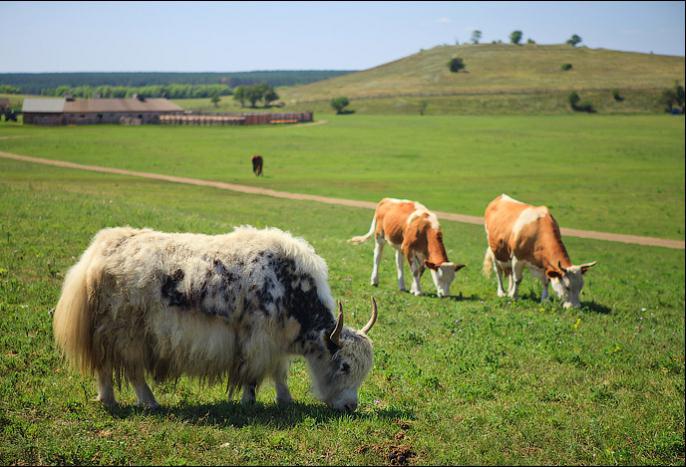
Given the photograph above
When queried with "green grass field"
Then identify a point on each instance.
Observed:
(622, 174)
(469, 380)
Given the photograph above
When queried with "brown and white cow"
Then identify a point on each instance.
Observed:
(521, 235)
(414, 232)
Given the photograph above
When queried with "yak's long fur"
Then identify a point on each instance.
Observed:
(140, 301)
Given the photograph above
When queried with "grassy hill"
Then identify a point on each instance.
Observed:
(500, 78)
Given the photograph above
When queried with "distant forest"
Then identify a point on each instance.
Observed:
(47, 83)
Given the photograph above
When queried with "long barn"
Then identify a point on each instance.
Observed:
(69, 111)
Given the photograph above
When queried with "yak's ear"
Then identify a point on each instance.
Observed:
(553, 274)
(587, 266)
(459, 266)
(431, 265)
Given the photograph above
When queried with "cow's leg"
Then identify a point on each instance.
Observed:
(399, 266)
(516, 276)
(499, 276)
(416, 268)
(378, 249)
(283, 395)
(143, 392)
(105, 387)
(540, 274)
(249, 394)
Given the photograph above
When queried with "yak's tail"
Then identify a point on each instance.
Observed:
(72, 319)
(368, 235)
(488, 262)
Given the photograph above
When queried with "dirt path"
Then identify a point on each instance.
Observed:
(631, 239)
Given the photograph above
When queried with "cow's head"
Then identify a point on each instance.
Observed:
(568, 282)
(443, 275)
(344, 363)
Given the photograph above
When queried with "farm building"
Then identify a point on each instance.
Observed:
(69, 111)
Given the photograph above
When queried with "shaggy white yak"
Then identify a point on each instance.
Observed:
(235, 306)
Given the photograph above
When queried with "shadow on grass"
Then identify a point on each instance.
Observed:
(456, 298)
(553, 301)
(233, 413)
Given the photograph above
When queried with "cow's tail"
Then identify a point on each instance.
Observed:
(488, 262)
(368, 235)
(72, 319)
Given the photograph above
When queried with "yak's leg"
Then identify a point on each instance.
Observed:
(516, 276)
(399, 259)
(283, 395)
(378, 249)
(143, 393)
(249, 394)
(105, 387)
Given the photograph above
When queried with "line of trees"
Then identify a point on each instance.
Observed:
(517, 36)
(172, 91)
(33, 83)
(255, 93)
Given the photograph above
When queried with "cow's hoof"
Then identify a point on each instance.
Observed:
(501, 294)
(417, 293)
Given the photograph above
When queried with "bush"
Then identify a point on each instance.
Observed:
(673, 99)
(456, 64)
(339, 103)
(577, 105)
(566, 66)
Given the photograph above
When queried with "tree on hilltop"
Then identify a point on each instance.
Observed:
(574, 40)
(516, 37)
(476, 36)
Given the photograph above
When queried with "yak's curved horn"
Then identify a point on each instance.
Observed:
(367, 327)
(336, 334)
(559, 265)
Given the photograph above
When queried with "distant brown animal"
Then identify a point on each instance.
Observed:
(257, 164)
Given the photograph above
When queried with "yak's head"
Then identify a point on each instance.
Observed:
(568, 282)
(343, 364)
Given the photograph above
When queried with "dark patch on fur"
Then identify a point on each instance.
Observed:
(215, 295)
(169, 291)
(304, 306)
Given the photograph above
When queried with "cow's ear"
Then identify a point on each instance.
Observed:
(553, 274)
(431, 265)
(459, 266)
(587, 266)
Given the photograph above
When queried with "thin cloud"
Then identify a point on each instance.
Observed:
(444, 20)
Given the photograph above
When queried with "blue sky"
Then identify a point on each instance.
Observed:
(225, 36)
